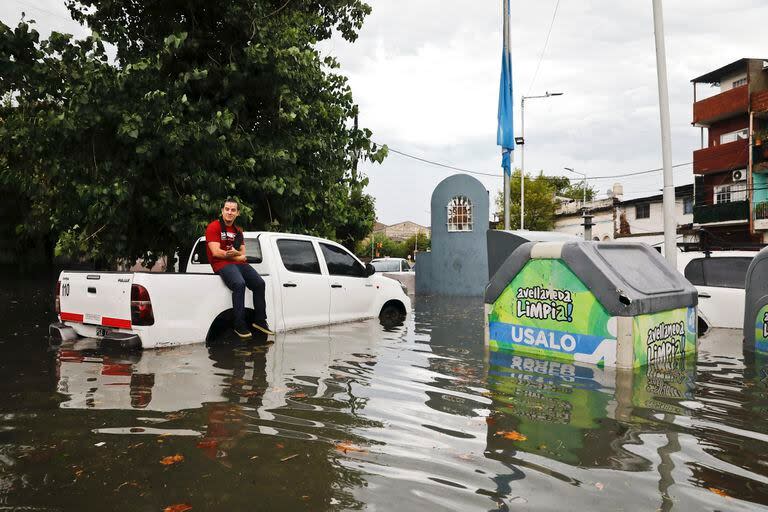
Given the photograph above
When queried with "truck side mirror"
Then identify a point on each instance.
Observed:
(369, 270)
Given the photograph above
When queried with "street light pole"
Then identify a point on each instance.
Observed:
(522, 151)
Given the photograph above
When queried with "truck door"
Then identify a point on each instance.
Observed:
(304, 288)
(100, 298)
(352, 290)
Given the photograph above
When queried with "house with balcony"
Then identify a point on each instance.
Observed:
(730, 107)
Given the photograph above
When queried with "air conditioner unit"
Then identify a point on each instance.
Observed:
(737, 175)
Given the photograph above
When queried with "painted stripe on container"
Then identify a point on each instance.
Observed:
(71, 317)
(115, 322)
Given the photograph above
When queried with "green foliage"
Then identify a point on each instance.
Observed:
(127, 159)
(576, 191)
(391, 248)
(539, 202)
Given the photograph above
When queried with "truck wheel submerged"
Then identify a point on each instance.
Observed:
(221, 332)
(392, 314)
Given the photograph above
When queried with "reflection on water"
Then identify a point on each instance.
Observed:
(355, 416)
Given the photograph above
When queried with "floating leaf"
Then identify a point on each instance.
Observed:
(172, 459)
(719, 492)
(347, 446)
(179, 507)
(512, 435)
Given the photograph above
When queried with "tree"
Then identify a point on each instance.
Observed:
(205, 100)
(384, 246)
(539, 202)
(424, 244)
(576, 191)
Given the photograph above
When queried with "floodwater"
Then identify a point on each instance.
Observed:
(357, 417)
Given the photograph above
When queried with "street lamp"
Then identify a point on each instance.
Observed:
(584, 187)
(522, 152)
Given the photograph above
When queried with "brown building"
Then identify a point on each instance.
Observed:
(401, 231)
(731, 189)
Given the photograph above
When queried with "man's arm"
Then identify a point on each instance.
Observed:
(232, 254)
(238, 255)
(218, 252)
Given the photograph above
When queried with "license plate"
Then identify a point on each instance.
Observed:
(102, 331)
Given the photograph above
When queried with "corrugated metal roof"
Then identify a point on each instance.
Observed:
(715, 76)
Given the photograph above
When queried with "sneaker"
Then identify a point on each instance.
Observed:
(243, 334)
(263, 326)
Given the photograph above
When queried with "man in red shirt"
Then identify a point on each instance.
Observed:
(226, 253)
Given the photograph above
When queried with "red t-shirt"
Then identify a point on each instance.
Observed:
(213, 233)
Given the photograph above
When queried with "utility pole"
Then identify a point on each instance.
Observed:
(670, 223)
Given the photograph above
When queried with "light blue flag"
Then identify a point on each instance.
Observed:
(505, 136)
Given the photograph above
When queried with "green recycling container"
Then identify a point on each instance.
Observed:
(604, 303)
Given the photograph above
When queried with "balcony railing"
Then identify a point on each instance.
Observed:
(724, 157)
(721, 106)
(736, 210)
(761, 211)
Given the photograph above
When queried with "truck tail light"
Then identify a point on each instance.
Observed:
(57, 303)
(141, 306)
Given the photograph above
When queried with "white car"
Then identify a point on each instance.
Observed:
(391, 265)
(720, 277)
(310, 282)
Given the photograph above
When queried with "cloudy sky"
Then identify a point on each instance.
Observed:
(426, 75)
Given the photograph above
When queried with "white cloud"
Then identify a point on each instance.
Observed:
(426, 77)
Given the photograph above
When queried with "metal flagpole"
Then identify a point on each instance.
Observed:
(670, 223)
(522, 163)
(505, 7)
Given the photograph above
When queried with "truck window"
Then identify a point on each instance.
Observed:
(727, 272)
(253, 250)
(298, 256)
(199, 253)
(694, 272)
(341, 263)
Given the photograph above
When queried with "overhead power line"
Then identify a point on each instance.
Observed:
(442, 165)
(649, 171)
(494, 175)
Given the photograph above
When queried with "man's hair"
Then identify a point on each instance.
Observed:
(230, 200)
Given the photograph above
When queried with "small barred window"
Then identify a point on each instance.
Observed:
(460, 214)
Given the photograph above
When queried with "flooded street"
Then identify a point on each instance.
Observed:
(359, 417)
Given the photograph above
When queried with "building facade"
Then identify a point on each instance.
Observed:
(401, 231)
(731, 167)
(640, 219)
(568, 218)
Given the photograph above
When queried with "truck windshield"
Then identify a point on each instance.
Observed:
(386, 265)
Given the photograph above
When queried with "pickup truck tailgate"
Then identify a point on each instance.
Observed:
(98, 298)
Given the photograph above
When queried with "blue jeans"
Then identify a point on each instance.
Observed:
(237, 277)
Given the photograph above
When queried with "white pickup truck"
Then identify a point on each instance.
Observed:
(309, 282)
